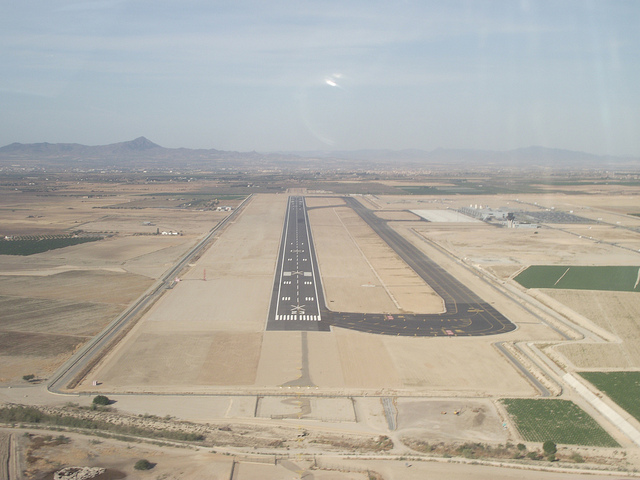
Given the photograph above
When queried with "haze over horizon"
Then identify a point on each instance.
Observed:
(285, 76)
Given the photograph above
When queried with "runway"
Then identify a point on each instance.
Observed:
(465, 313)
(297, 300)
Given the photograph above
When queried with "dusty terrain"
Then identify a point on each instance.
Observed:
(178, 343)
(53, 302)
(360, 273)
(285, 451)
(616, 312)
(503, 252)
(205, 340)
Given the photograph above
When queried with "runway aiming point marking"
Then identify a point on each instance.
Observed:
(479, 318)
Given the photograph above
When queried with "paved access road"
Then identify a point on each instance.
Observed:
(466, 314)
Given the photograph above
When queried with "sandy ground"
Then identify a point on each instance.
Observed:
(360, 272)
(436, 420)
(412, 470)
(491, 246)
(53, 302)
(208, 335)
(170, 463)
(616, 312)
(204, 326)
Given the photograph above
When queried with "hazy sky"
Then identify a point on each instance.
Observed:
(330, 75)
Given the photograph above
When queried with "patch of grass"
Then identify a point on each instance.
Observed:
(622, 387)
(101, 400)
(143, 464)
(463, 187)
(560, 421)
(607, 278)
(422, 190)
(39, 245)
(193, 195)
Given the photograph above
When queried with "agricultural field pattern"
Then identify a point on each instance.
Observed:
(614, 278)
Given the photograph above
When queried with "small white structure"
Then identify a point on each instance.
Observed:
(443, 216)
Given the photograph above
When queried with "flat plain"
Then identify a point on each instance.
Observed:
(175, 341)
(221, 303)
(53, 302)
(206, 336)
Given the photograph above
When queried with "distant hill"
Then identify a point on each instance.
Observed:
(44, 150)
(143, 154)
(138, 154)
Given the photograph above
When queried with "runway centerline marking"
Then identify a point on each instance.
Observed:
(461, 304)
(296, 297)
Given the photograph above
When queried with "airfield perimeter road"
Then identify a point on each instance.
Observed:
(83, 357)
(465, 313)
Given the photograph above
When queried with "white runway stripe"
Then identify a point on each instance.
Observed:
(307, 318)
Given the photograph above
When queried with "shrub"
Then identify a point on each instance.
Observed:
(143, 465)
(101, 400)
(62, 440)
(522, 447)
(576, 457)
(467, 453)
(549, 447)
(28, 378)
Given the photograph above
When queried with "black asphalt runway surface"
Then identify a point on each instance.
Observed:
(297, 301)
(297, 290)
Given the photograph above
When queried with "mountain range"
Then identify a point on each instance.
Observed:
(143, 154)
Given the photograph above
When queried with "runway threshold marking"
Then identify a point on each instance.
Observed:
(297, 268)
(295, 301)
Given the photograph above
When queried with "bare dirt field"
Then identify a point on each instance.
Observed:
(494, 247)
(207, 335)
(398, 215)
(46, 318)
(437, 420)
(178, 339)
(360, 272)
(118, 457)
(53, 302)
(616, 312)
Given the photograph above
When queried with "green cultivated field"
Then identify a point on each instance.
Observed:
(620, 279)
(622, 387)
(559, 420)
(30, 247)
